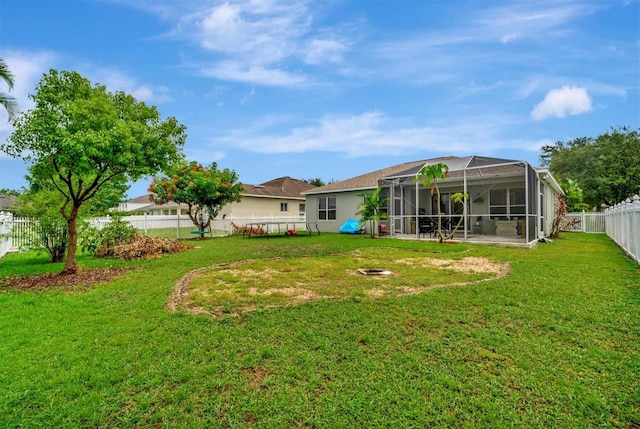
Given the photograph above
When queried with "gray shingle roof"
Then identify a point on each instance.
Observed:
(409, 170)
(369, 180)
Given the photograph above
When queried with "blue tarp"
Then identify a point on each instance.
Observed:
(351, 226)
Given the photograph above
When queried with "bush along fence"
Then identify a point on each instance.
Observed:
(623, 226)
(20, 233)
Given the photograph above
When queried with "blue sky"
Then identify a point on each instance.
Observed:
(336, 88)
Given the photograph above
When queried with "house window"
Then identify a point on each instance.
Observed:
(284, 207)
(302, 209)
(507, 203)
(327, 208)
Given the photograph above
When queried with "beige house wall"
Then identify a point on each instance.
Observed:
(263, 206)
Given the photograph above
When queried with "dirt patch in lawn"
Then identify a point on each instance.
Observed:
(80, 280)
(244, 286)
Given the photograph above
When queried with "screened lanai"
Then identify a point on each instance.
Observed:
(508, 201)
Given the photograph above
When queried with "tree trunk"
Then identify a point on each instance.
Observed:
(70, 266)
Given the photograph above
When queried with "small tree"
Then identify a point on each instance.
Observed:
(50, 228)
(369, 209)
(79, 137)
(574, 196)
(204, 190)
(429, 175)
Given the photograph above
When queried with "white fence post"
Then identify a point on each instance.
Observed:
(6, 228)
(178, 225)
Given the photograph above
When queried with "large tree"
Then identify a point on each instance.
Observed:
(7, 101)
(606, 168)
(205, 190)
(80, 137)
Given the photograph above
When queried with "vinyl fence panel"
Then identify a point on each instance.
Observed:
(623, 226)
(584, 222)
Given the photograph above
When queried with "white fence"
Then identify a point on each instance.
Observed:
(623, 226)
(6, 226)
(584, 222)
(180, 226)
(17, 233)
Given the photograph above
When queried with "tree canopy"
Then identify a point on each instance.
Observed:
(606, 168)
(205, 190)
(79, 137)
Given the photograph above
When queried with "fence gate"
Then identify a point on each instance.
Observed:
(584, 222)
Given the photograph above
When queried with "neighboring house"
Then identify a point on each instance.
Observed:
(6, 202)
(509, 200)
(135, 204)
(281, 197)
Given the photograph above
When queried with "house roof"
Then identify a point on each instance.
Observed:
(6, 201)
(141, 199)
(166, 206)
(474, 166)
(365, 181)
(282, 187)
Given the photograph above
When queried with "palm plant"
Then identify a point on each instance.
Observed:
(6, 100)
(370, 209)
(429, 175)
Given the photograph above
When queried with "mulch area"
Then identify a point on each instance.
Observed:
(82, 279)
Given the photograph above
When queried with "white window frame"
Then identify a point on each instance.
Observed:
(327, 209)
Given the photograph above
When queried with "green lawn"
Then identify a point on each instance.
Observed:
(555, 343)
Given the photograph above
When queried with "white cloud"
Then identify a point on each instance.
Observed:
(259, 32)
(508, 38)
(238, 72)
(27, 69)
(151, 95)
(562, 102)
(530, 19)
(116, 80)
(527, 88)
(373, 133)
(324, 50)
(256, 41)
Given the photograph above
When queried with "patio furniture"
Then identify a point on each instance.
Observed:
(382, 230)
(427, 226)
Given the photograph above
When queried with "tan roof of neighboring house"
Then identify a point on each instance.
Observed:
(282, 187)
(165, 206)
(141, 199)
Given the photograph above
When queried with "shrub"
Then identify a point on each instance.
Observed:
(115, 232)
